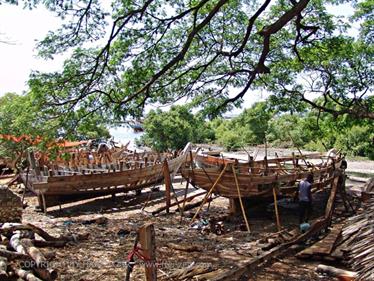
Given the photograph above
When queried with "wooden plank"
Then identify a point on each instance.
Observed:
(325, 246)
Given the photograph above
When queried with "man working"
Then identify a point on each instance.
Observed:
(305, 198)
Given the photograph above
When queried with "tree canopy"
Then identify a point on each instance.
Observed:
(173, 129)
(213, 52)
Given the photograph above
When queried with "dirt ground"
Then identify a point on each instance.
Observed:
(103, 256)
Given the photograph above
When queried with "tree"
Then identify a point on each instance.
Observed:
(249, 128)
(21, 117)
(173, 129)
(206, 50)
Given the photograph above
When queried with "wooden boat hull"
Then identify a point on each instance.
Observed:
(257, 179)
(56, 190)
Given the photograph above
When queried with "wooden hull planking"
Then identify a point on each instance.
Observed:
(251, 179)
(60, 189)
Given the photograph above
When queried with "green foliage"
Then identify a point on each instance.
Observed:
(357, 141)
(174, 129)
(21, 115)
(161, 51)
(250, 127)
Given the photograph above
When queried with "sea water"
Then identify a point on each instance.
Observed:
(124, 135)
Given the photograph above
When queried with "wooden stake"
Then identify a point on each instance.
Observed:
(276, 209)
(148, 249)
(209, 193)
(167, 181)
(240, 199)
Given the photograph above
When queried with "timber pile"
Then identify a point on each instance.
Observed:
(351, 243)
(360, 232)
(20, 254)
(10, 206)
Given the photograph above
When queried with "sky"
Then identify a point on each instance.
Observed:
(21, 28)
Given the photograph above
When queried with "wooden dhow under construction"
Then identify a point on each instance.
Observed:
(233, 179)
(62, 185)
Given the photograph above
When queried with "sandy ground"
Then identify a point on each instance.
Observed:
(104, 254)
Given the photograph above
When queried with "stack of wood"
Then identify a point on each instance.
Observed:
(20, 253)
(10, 206)
(360, 232)
(351, 243)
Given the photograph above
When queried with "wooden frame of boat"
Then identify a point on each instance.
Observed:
(57, 187)
(265, 178)
(258, 178)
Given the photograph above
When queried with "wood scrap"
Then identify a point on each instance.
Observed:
(189, 272)
(211, 275)
(54, 244)
(336, 272)
(185, 248)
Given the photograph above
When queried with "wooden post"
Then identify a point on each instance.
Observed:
(147, 240)
(276, 209)
(167, 181)
(240, 199)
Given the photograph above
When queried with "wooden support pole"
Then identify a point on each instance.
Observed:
(209, 193)
(276, 209)
(184, 198)
(167, 181)
(240, 199)
(147, 240)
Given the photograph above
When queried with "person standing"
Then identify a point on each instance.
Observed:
(305, 199)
